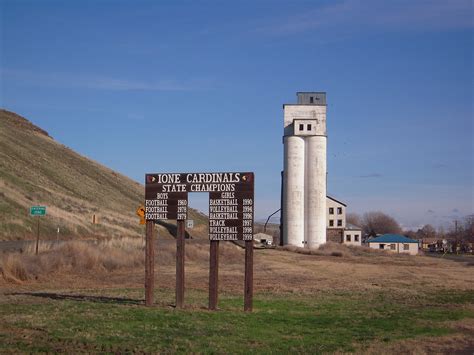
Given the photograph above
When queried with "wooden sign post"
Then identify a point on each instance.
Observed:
(231, 214)
(248, 282)
(149, 263)
(180, 252)
(37, 211)
(37, 233)
(213, 274)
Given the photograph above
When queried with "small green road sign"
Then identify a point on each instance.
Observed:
(37, 210)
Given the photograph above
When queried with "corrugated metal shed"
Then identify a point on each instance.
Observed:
(311, 98)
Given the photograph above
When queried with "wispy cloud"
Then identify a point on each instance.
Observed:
(371, 175)
(374, 14)
(71, 81)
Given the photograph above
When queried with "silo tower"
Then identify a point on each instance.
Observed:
(304, 171)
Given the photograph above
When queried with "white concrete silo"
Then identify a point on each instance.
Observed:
(293, 185)
(304, 176)
(315, 191)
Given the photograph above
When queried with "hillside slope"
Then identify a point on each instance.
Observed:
(37, 170)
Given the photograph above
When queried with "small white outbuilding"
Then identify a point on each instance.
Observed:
(395, 243)
(263, 238)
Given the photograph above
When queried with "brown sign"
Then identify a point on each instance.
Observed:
(231, 200)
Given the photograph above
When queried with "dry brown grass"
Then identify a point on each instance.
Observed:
(338, 250)
(78, 256)
(356, 254)
(99, 257)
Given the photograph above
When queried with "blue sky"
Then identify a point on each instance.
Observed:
(184, 86)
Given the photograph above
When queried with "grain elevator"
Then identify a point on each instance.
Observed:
(304, 171)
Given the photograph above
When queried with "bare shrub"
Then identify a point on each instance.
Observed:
(333, 249)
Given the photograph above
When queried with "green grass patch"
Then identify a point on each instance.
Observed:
(119, 322)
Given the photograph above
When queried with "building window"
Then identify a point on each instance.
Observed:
(311, 100)
(406, 246)
(339, 210)
(356, 237)
(331, 210)
(301, 126)
(331, 223)
(339, 222)
(348, 237)
(308, 127)
(393, 246)
(381, 246)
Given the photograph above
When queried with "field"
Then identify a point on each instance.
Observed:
(89, 298)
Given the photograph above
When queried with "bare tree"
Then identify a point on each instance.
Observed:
(354, 218)
(427, 231)
(469, 228)
(411, 234)
(441, 232)
(464, 229)
(374, 223)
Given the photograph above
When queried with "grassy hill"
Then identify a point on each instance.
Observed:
(37, 170)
